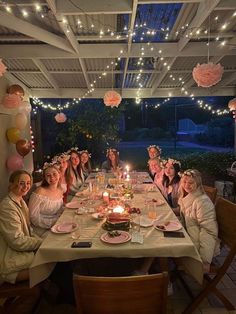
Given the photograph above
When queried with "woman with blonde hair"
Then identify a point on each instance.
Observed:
(198, 216)
(45, 203)
(17, 241)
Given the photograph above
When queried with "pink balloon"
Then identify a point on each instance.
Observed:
(11, 101)
(14, 162)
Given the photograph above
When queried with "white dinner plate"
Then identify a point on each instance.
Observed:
(73, 205)
(64, 227)
(122, 238)
(169, 225)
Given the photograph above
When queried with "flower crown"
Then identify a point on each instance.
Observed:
(189, 173)
(85, 152)
(58, 158)
(113, 150)
(171, 161)
(154, 146)
(50, 164)
(72, 149)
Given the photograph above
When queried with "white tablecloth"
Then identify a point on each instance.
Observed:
(57, 247)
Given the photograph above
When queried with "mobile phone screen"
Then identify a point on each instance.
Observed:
(81, 244)
(173, 234)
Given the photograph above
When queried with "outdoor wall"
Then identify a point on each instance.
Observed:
(7, 148)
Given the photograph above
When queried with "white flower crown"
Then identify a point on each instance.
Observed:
(189, 173)
(85, 152)
(154, 146)
(112, 150)
(72, 149)
(171, 161)
(58, 158)
(50, 164)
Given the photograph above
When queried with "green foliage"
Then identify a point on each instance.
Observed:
(93, 126)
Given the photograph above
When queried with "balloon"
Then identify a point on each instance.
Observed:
(25, 106)
(20, 121)
(14, 162)
(23, 147)
(13, 135)
(11, 101)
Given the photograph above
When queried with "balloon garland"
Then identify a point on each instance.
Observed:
(14, 100)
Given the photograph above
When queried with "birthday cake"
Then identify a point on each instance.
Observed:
(117, 221)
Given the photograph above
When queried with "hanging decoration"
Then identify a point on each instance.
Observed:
(14, 162)
(112, 99)
(20, 120)
(11, 101)
(207, 74)
(232, 104)
(13, 135)
(17, 90)
(60, 117)
(23, 147)
(3, 68)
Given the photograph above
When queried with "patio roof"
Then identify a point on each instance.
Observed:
(80, 48)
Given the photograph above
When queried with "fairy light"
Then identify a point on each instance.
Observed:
(8, 8)
(38, 7)
(24, 13)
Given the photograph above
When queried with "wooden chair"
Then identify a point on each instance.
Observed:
(121, 295)
(226, 218)
(211, 192)
(9, 292)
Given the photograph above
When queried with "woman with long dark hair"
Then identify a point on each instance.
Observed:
(170, 183)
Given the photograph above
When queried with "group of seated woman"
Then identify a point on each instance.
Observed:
(184, 193)
(22, 227)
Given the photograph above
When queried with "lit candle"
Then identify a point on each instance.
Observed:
(105, 197)
(128, 177)
(127, 168)
(118, 209)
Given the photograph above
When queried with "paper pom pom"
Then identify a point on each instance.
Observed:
(3, 68)
(232, 104)
(60, 117)
(207, 74)
(112, 99)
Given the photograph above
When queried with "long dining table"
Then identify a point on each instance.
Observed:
(56, 247)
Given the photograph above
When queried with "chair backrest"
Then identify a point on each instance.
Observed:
(226, 218)
(211, 192)
(121, 295)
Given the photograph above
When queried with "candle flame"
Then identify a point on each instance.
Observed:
(118, 209)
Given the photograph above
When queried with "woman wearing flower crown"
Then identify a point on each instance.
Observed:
(198, 216)
(45, 203)
(154, 153)
(17, 241)
(74, 175)
(85, 163)
(113, 163)
(170, 183)
(62, 162)
(157, 171)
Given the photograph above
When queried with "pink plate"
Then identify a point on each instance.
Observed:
(73, 205)
(167, 225)
(64, 227)
(122, 238)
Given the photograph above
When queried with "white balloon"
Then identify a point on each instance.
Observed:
(25, 106)
(20, 120)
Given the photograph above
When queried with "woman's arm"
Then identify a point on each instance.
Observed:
(11, 228)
